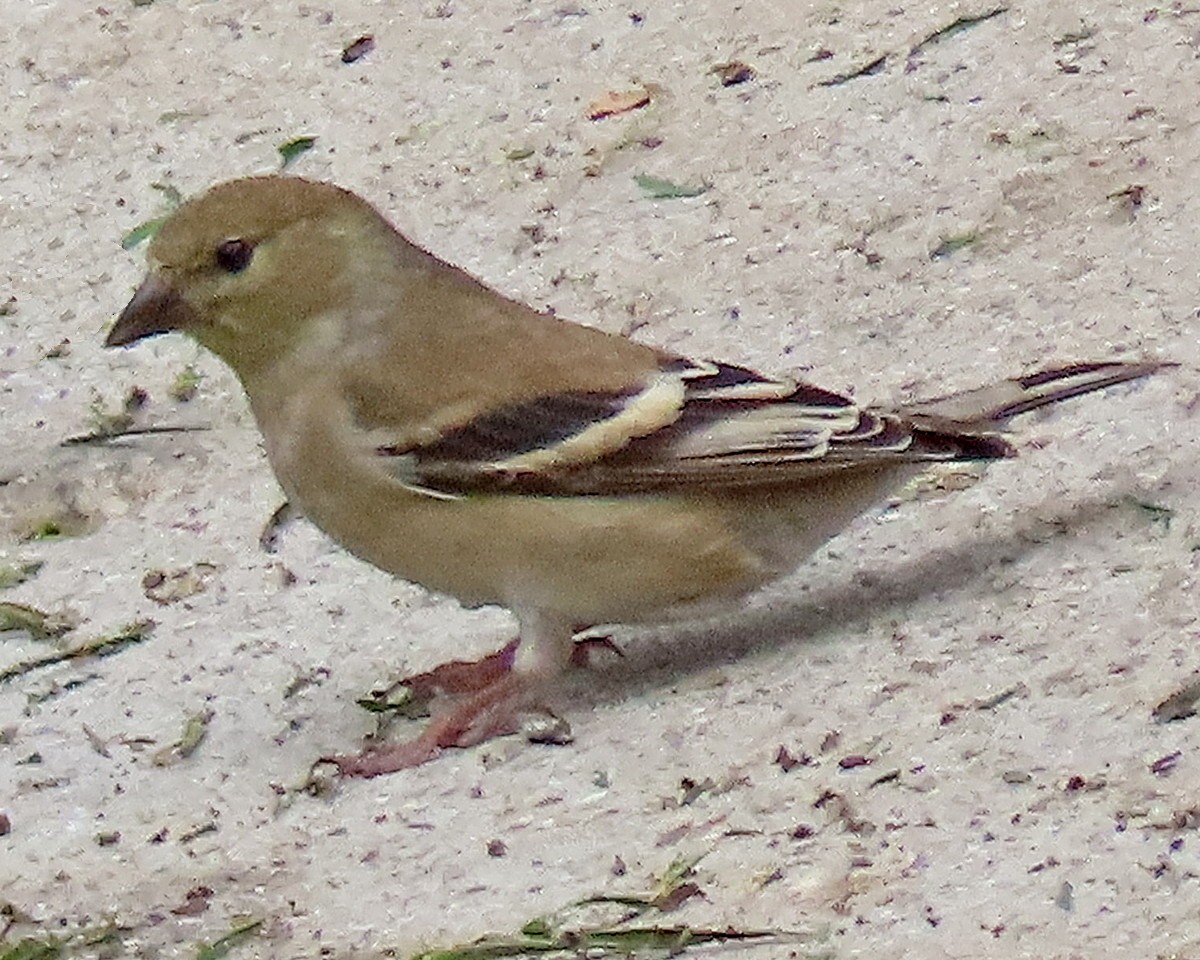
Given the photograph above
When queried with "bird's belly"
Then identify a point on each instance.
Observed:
(591, 559)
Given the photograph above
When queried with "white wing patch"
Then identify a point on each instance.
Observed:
(643, 414)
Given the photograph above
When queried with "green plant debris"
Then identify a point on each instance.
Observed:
(142, 232)
(148, 228)
(47, 528)
(169, 191)
(103, 646)
(659, 189)
(1075, 37)
(185, 385)
(958, 26)
(291, 150)
(1155, 513)
(867, 70)
(195, 728)
(538, 939)
(243, 929)
(519, 153)
(678, 873)
(56, 689)
(176, 116)
(109, 422)
(671, 888)
(404, 705)
(951, 245)
(86, 438)
(67, 521)
(53, 947)
(34, 948)
(37, 623)
(581, 929)
(12, 574)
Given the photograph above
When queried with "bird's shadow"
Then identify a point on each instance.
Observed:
(675, 653)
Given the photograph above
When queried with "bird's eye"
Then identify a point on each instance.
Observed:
(234, 255)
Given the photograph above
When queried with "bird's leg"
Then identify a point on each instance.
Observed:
(499, 687)
(457, 677)
(468, 676)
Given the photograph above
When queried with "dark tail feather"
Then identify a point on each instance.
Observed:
(991, 407)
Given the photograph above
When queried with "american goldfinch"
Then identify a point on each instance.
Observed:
(470, 444)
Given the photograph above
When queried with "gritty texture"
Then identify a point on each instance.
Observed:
(967, 677)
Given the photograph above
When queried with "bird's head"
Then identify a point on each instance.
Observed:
(249, 267)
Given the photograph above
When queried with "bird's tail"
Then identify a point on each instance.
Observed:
(990, 408)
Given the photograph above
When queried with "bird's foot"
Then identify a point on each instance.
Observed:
(489, 699)
(457, 677)
(493, 711)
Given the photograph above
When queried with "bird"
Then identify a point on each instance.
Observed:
(483, 449)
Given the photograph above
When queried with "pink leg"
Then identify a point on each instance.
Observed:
(470, 676)
(495, 690)
(462, 676)
(490, 712)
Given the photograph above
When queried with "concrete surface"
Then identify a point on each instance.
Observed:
(996, 652)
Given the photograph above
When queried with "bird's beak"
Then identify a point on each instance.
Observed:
(155, 308)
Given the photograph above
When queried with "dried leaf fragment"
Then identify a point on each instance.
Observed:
(1165, 764)
(952, 244)
(240, 931)
(733, 72)
(614, 102)
(166, 587)
(12, 574)
(357, 49)
(195, 728)
(102, 646)
(39, 624)
(788, 761)
(1180, 705)
(866, 70)
(285, 514)
(693, 790)
(195, 902)
(659, 189)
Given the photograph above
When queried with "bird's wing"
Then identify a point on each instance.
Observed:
(693, 426)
